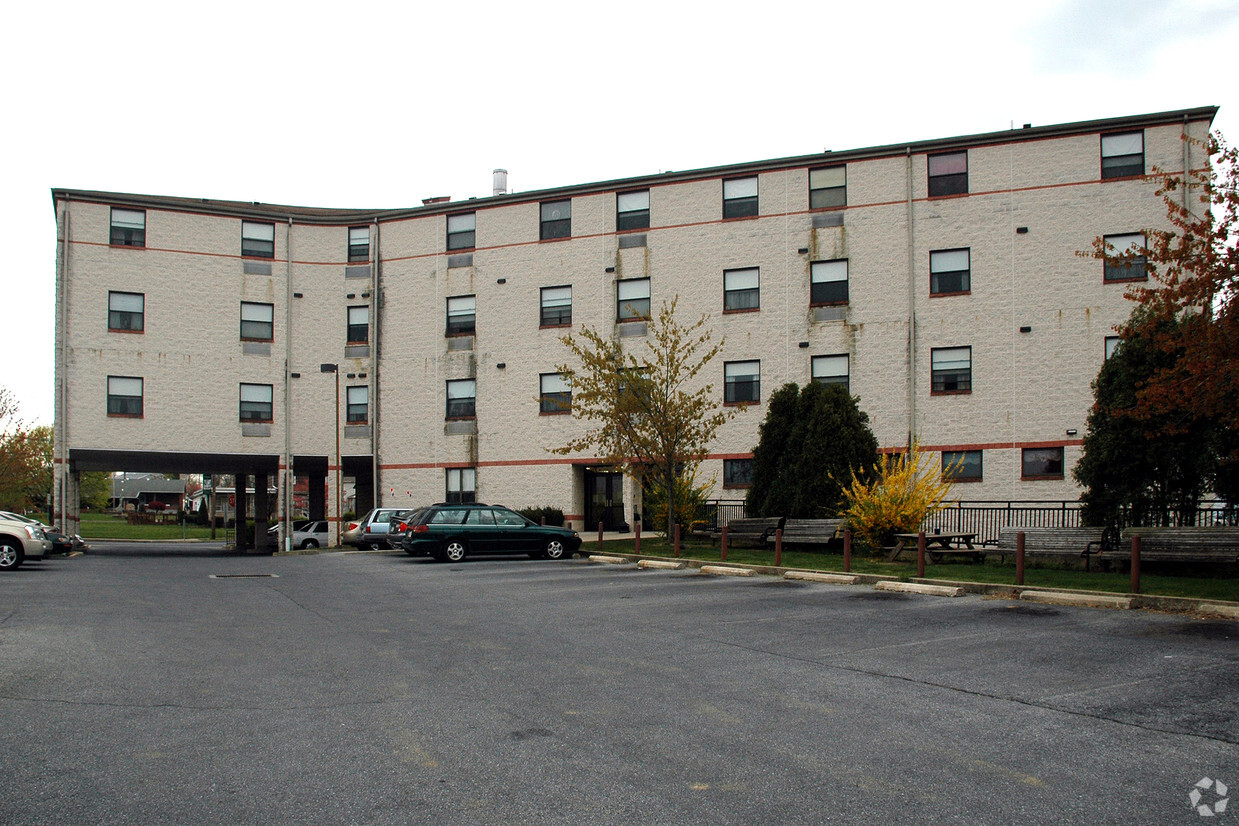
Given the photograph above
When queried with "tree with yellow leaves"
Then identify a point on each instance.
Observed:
(897, 496)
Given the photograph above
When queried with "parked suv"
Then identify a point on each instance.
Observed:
(20, 541)
(452, 532)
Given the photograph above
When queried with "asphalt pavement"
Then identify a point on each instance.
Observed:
(181, 684)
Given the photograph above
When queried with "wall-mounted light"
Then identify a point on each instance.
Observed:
(351, 376)
(351, 295)
(804, 345)
(501, 281)
(297, 295)
(295, 375)
(501, 365)
(1026, 329)
(802, 251)
(1071, 432)
(610, 269)
(1021, 230)
(365, 295)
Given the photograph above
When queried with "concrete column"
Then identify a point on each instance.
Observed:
(318, 496)
(262, 515)
(242, 511)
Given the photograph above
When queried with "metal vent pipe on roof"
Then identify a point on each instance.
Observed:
(500, 182)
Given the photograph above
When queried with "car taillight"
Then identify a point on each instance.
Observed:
(420, 529)
(402, 527)
(352, 526)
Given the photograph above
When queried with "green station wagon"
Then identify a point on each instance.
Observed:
(452, 532)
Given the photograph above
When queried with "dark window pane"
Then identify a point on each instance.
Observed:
(829, 292)
(128, 237)
(835, 196)
(255, 411)
(962, 465)
(556, 402)
(948, 185)
(637, 219)
(460, 408)
(950, 282)
(358, 333)
(1131, 270)
(118, 320)
(1043, 461)
(740, 207)
(737, 473)
(1122, 166)
(556, 316)
(124, 405)
(742, 390)
(741, 299)
(631, 309)
(257, 330)
(255, 248)
(460, 325)
(952, 381)
(461, 240)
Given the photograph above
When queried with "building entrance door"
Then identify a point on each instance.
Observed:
(604, 498)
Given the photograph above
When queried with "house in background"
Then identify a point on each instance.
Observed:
(146, 492)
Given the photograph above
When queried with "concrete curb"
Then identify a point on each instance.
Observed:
(919, 588)
(830, 579)
(1080, 600)
(661, 565)
(609, 560)
(727, 570)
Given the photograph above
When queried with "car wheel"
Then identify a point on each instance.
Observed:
(455, 550)
(309, 543)
(11, 555)
(554, 548)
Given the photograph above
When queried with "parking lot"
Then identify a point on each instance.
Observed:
(175, 684)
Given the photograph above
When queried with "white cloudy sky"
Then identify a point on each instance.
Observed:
(378, 104)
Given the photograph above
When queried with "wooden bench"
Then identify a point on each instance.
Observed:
(752, 531)
(1192, 544)
(1070, 542)
(809, 531)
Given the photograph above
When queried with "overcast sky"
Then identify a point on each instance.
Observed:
(375, 105)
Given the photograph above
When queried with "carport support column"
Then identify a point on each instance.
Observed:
(262, 508)
(318, 496)
(242, 511)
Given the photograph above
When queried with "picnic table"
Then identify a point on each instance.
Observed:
(938, 545)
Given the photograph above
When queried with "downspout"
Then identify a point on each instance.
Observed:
(1187, 169)
(60, 440)
(375, 313)
(911, 308)
(290, 477)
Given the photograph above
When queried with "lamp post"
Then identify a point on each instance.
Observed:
(335, 368)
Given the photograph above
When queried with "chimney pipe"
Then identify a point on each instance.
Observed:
(500, 182)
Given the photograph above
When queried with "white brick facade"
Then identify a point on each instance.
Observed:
(1035, 197)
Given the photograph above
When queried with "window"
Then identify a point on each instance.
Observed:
(128, 228)
(257, 240)
(741, 290)
(1128, 262)
(831, 370)
(461, 315)
(555, 396)
(741, 382)
(127, 312)
(632, 210)
(257, 322)
(1042, 463)
(1112, 343)
(1122, 155)
(737, 473)
(462, 231)
(556, 306)
(461, 398)
(950, 272)
(256, 403)
(462, 483)
(358, 325)
(828, 282)
(358, 244)
(125, 396)
(948, 174)
(358, 405)
(961, 466)
(828, 187)
(740, 198)
(952, 369)
(556, 220)
(632, 299)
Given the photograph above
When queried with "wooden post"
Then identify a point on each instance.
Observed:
(676, 533)
(1019, 558)
(920, 554)
(1135, 564)
(778, 547)
(599, 537)
(637, 542)
(847, 551)
(722, 544)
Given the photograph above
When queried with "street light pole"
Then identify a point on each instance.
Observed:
(335, 368)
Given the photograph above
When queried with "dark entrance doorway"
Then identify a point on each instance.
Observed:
(604, 499)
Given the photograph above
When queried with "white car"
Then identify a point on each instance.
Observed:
(20, 541)
(306, 533)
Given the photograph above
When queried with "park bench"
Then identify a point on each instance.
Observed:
(1218, 543)
(1080, 543)
(809, 531)
(752, 531)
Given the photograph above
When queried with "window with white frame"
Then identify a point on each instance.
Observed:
(741, 290)
(1126, 259)
(554, 393)
(1122, 155)
(632, 299)
(632, 210)
(740, 198)
(358, 324)
(358, 244)
(126, 312)
(737, 473)
(831, 370)
(461, 315)
(556, 220)
(461, 483)
(828, 282)
(948, 174)
(1041, 463)
(257, 239)
(462, 231)
(556, 307)
(128, 228)
(741, 382)
(950, 271)
(828, 187)
(256, 403)
(961, 466)
(951, 370)
(125, 396)
(462, 398)
(357, 399)
(257, 321)
(1112, 344)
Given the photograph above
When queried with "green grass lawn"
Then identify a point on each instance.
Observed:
(111, 526)
(1173, 581)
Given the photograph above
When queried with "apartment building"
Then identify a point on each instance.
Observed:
(413, 351)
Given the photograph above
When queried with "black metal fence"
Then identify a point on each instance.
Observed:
(718, 512)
